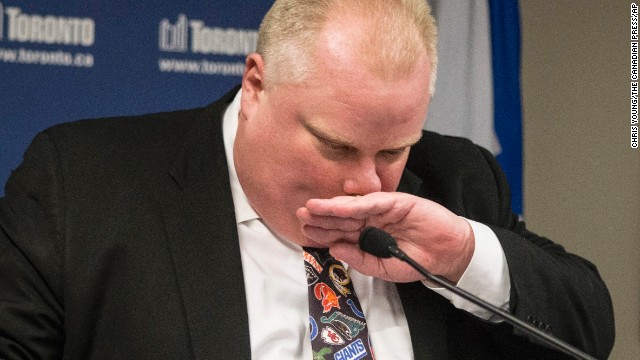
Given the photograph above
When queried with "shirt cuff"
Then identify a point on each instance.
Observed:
(487, 275)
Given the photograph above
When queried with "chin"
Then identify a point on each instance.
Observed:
(310, 243)
(297, 237)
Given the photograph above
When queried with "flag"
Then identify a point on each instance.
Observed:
(478, 90)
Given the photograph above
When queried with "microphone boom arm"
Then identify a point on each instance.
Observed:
(381, 244)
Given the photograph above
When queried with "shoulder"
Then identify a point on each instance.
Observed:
(138, 135)
(448, 155)
(440, 158)
(121, 134)
(460, 175)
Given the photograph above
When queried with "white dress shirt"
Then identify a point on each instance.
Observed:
(276, 284)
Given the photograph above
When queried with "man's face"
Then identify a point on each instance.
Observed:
(344, 131)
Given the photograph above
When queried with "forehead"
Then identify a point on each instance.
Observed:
(384, 114)
(341, 95)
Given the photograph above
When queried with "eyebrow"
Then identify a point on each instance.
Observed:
(339, 140)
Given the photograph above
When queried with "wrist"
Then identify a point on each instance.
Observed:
(465, 254)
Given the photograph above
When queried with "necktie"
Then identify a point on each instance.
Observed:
(338, 327)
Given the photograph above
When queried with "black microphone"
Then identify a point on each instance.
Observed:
(381, 244)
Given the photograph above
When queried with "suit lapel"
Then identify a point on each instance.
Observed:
(202, 237)
(425, 312)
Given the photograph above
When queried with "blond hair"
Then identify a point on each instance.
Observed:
(399, 31)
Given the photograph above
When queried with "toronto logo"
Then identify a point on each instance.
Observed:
(186, 35)
(45, 28)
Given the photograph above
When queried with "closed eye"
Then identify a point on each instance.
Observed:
(333, 145)
(393, 155)
(394, 152)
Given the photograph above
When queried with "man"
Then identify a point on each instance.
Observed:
(181, 235)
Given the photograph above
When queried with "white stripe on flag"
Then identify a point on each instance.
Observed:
(463, 101)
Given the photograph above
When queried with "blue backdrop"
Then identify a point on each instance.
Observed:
(76, 59)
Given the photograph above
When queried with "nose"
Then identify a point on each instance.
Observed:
(362, 179)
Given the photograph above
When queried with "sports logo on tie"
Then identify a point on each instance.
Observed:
(340, 278)
(312, 278)
(355, 350)
(331, 337)
(313, 328)
(346, 325)
(312, 261)
(329, 298)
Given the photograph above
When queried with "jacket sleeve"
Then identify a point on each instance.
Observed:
(31, 258)
(551, 288)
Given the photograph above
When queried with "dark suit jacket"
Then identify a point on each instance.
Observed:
(118, 240)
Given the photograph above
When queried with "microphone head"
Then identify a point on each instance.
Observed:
(376, 242)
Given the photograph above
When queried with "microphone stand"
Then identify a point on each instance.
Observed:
(390, 244)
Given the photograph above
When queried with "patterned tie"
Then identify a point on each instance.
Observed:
(338, 328)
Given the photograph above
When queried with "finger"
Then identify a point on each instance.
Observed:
(329, 222)
(349, 253)
(360, 207)
(329, 237)
(387, 269)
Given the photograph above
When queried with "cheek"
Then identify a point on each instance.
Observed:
(390, 175)
(313, 175)
(299, 170)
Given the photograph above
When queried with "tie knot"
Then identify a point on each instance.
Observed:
(321, 254)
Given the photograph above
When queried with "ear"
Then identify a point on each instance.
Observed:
(252, 85)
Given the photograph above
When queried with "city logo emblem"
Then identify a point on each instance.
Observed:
(176, 37)
(340, 278)
(346, 325)
(331, 337)
(173, 37)
(329, 298)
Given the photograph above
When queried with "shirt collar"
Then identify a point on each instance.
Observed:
(244, 210)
